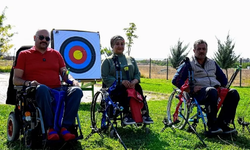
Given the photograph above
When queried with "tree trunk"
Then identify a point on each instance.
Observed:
(227, 74)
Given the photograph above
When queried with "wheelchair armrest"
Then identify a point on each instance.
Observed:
(178, 90)
(18, 87)
(28, 89)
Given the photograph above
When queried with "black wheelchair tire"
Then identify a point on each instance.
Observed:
(28, 141)
(12, 128)
(171, 106)
(96, 110)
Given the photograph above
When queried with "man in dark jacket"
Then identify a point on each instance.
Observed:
(208, 77)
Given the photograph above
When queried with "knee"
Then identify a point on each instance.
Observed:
(234, 95)
(42, 89)
(42, 94)
(212, 93)
(76, 92)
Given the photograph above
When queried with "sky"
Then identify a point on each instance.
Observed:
(160, 23)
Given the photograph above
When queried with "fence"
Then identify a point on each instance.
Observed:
(164, 72)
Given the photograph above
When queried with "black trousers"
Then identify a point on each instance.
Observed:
(208, 96)
(120, 95)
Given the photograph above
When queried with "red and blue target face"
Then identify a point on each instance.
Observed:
(79, 54)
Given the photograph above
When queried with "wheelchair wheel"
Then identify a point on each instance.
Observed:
(98, 120)
(33, 138)
(12, 127)
(28, 142)
(171, 108)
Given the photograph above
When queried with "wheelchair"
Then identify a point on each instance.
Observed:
(26, 121)
(181, 105)
(105, 114)
(181, 111)
(180, 114)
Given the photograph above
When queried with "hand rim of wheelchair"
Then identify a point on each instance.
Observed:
(97, 109)
(186, 111)
(94, 110)
(183, 108)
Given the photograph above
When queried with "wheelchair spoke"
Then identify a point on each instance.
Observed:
(98, 120)
(171, 108)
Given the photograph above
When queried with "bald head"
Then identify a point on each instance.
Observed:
(42, 40)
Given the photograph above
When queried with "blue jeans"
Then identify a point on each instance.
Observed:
(72, 101)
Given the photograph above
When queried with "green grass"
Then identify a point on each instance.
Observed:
(5, 65)
(137, 138)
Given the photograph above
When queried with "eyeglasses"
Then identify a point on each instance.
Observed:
(41, 37)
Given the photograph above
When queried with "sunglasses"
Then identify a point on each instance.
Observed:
(41, 37)
(201, 49)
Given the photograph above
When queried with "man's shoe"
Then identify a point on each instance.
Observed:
(128, 120)
(52, 135)
(66, 135)
(215, 130)
(227, 130)
(147, 120)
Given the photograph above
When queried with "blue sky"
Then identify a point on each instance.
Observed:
(160, 23)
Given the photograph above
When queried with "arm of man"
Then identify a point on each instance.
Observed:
(220, 76)
(67, 77)
(180, 76)
(17, 79)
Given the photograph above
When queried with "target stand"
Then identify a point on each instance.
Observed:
(81, 53)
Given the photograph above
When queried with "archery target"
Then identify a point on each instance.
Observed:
(81, 52)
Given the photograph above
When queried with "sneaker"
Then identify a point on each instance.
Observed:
(52, 135)
(215, 130)
(128, 120)
(66, 135)
(227, 130)
(147, 119)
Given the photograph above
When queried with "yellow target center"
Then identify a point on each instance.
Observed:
(77, 54)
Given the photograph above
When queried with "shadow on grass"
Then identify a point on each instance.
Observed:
(73, 145)
(138, 138)
(85, 106)
(235, 140)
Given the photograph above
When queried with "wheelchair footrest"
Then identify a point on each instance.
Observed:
(176, 121)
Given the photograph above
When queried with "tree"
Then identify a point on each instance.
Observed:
(225, 56)
(106, 51)
(5, 36)
(177, 54)
(130, 35)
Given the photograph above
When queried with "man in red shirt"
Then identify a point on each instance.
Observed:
(41, 66)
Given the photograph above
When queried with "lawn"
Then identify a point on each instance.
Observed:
(137, 138)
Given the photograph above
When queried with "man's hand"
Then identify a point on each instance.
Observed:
(197, 88)
(76, 83)
(32, 83)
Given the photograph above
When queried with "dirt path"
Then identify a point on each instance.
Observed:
(87, 95)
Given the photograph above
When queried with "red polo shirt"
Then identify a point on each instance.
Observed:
(44, 68)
